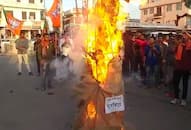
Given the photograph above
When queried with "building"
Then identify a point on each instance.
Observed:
(77, 16)
(72, 18)
(165, 12)
(29, 11)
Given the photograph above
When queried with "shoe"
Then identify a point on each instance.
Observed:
(183, 103)
(19, 73)
(174, 101)
(30, 73)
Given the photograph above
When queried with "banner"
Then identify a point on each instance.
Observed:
(114, 104)
(13, 24)
(54, 13)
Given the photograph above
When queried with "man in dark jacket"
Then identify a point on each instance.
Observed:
(182, 68)
(37, 49)
(128, 53)
(170, 62)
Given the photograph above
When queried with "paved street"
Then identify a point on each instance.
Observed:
(149, 109)
(24, 107)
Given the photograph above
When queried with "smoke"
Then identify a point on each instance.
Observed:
(79, 36)
(77, 53)
(70, 69)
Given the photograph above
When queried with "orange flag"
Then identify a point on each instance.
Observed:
(54, 13)
(13, 24)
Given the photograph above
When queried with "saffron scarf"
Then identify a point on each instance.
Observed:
(179, 51)
(188, 45)
(44, 44)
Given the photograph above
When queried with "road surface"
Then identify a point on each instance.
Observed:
(24, 107)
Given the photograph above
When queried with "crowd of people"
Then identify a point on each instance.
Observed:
(159, 61)
(46, 47)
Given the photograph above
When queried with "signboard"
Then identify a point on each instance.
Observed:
(114, 104)
(36, 25)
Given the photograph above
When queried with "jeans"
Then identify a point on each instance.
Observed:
(139, 67)
(152, 75)
(169, 77)
(38, 63)
(163, 73)
(127, 66)
(177, 76)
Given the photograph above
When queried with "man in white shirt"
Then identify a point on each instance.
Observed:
(66, 45)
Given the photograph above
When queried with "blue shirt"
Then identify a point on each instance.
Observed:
(152, 56)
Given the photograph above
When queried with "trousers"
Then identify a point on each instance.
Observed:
(177, 76)
(25, 58)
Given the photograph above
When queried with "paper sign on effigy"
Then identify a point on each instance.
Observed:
(114, 104)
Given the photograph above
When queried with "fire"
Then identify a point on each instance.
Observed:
(104, 39)
(91, 111)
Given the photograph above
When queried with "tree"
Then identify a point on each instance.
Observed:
(178, 17)
(188, 3)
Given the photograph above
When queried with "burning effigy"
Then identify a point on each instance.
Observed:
(100, 92)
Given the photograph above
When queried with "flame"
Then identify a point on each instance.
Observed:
(104, 39)
(91, 111)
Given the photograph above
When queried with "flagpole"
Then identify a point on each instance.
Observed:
(76, 3)
(44, 18)
(61, 17)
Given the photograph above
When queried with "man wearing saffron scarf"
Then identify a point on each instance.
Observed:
(182, 68)
(47, 49)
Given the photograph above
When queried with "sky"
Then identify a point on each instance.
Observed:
(132, 7)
